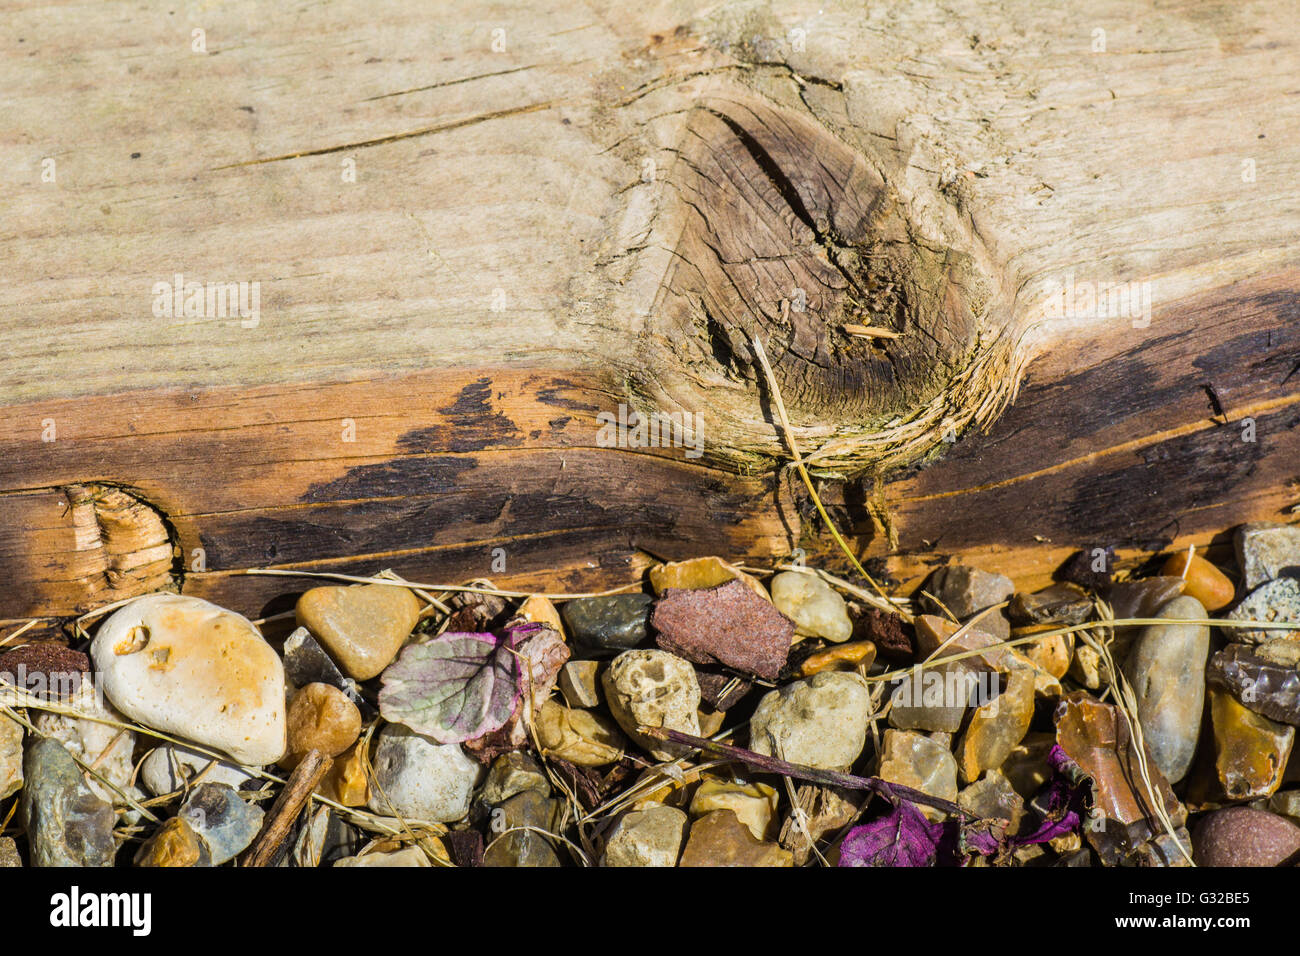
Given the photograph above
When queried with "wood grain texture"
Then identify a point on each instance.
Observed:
(563, 208)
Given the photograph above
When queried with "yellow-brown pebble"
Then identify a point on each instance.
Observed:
(175, 844)
(1203, 580)
(841, 657)
(320, 718)
(346, 781)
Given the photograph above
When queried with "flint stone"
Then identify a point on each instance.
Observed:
(1062, 604)
(1261, 685)
(964, 590)
(306, 662)
(66, 824)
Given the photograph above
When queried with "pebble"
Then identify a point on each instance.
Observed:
(188, 667)
(1167, 670)
(174, 844)
(511, 774)
(1250, 751)
(1265, 550)
(648, 837)
(706, 572)
(581, 737)
(523, 848)
(1286, 803)
(914, 760)
(653, 689)
(993, 797)
(1201, 580)
(936, 698)
(306, 662)
(1052, 654)
(857, 655)
(1057, 604)
(1127, 599)
(720, 839)
(997, 726)
(580, 684)
(1262, 685)
(226, 823)
(107, 748)
(362, 626)
(1026, 766)
(421, 779)
(320, 718)
(323, 839)
(726, 625)
(410, 856)
(66, 824)
(9, 857)
(538, 609)
(964, 590)
(346, 782)
(1241, 836)
(168, 766)
(753, 803)
(1276, 601)
(1095, 736)
(11, 757)
(816, 608)
(604, 626)
(820, 721)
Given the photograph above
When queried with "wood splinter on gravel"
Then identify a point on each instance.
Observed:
(297, 791)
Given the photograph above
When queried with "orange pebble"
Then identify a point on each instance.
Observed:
(857, 653)
(1203, 580)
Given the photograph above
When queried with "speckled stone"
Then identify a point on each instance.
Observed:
(1241, 836)
(1265, 551)
(9, 857)
(1276, 601)
(11, 757)
(363, 626)
(604, 626)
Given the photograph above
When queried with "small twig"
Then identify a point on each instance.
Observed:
(830, 778)
(285, 810)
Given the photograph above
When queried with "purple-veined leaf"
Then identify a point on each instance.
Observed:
(540, 652)
(453, 688)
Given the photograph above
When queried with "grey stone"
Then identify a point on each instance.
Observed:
(67, 825)
(106, 747)
(323, 839)
(820, 721)
(964, 590)
(1265, 550)
(1167, 670)
(604, 626)
(651, 836)
(306, 662)
(424, 780)
(217, 813)
(167, 768)
(512, 773)
(1273, 601)
(521, 847)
